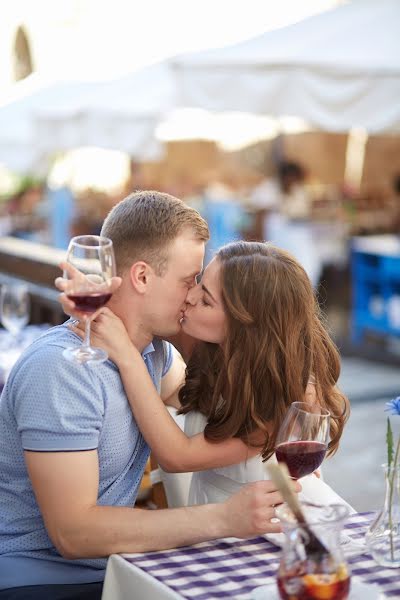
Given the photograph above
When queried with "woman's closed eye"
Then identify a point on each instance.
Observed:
(204, 301)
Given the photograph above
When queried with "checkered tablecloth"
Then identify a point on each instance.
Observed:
(233, 568)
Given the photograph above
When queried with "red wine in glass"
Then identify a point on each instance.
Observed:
(301, 458)
(303, 438)
(89, 303)
(89, 287)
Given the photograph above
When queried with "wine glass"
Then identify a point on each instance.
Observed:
(90, 287)
(15, 307)
(14, 311)
(303, 438)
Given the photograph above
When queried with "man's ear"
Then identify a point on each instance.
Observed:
(141, 275)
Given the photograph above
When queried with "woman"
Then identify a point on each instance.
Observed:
(261, 343)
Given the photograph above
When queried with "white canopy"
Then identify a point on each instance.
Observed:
(19, 140)
(38, 118)
(119, 114)
(337, 70)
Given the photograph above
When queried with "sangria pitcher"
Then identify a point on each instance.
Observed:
(309, 575)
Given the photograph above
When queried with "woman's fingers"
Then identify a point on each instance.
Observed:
(115, 283)
(77, 329)
(71, 271)
(61, 283)
(69, 307)
(66, 303)
(73, 278)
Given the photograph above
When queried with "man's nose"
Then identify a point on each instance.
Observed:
(193, 295)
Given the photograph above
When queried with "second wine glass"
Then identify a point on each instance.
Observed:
(90, 288)
(14, 307)
(303, 438)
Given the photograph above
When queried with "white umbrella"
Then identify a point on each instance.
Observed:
(19, 140)
(38, 118)
(119, 114)
(337, 70)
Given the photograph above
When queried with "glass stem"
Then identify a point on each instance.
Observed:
(86, 340)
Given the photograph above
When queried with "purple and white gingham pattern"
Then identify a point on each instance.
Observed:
(233, 568)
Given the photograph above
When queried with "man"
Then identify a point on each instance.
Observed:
(71, 455)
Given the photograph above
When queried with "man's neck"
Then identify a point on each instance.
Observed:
(137, 333)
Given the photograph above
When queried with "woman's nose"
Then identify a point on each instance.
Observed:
(193, 295)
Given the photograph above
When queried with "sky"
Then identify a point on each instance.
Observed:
(155, 29)
(104, 37)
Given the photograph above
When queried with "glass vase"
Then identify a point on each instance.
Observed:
(383, 536)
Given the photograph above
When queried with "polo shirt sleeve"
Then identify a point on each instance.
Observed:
(168, 358)
(58, 405)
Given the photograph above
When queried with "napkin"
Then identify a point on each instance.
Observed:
(317, 491)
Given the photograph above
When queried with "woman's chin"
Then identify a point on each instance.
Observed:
(185, 325)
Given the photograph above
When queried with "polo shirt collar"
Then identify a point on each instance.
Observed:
(148, 350)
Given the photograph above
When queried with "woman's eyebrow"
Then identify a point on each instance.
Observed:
(207, 291)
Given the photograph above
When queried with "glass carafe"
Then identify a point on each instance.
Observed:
(383, 537)
(306, 576)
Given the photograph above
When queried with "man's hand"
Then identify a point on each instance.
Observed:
(249, 511)
(75, 280)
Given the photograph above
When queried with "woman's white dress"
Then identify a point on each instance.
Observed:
(216, 485)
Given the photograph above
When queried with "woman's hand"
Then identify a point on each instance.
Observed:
(108, 332)
(77, 279)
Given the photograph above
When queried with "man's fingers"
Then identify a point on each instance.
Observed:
(273, 528)
(75, 276)
(274, 498)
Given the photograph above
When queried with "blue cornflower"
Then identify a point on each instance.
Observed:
(394, 406)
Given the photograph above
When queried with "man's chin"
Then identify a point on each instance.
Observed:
(170, 332)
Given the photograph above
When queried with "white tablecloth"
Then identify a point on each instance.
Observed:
(228, 569)
(124, 581)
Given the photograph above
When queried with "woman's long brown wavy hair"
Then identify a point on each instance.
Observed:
(275, 342)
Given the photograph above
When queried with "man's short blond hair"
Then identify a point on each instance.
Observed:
(143, 225)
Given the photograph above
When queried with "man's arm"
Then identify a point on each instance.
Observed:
(66, 487)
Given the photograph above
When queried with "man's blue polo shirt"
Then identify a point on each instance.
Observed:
(50, 404)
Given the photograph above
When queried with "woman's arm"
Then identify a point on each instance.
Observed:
(173, 449)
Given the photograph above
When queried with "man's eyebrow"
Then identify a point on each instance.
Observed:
(207, 291)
